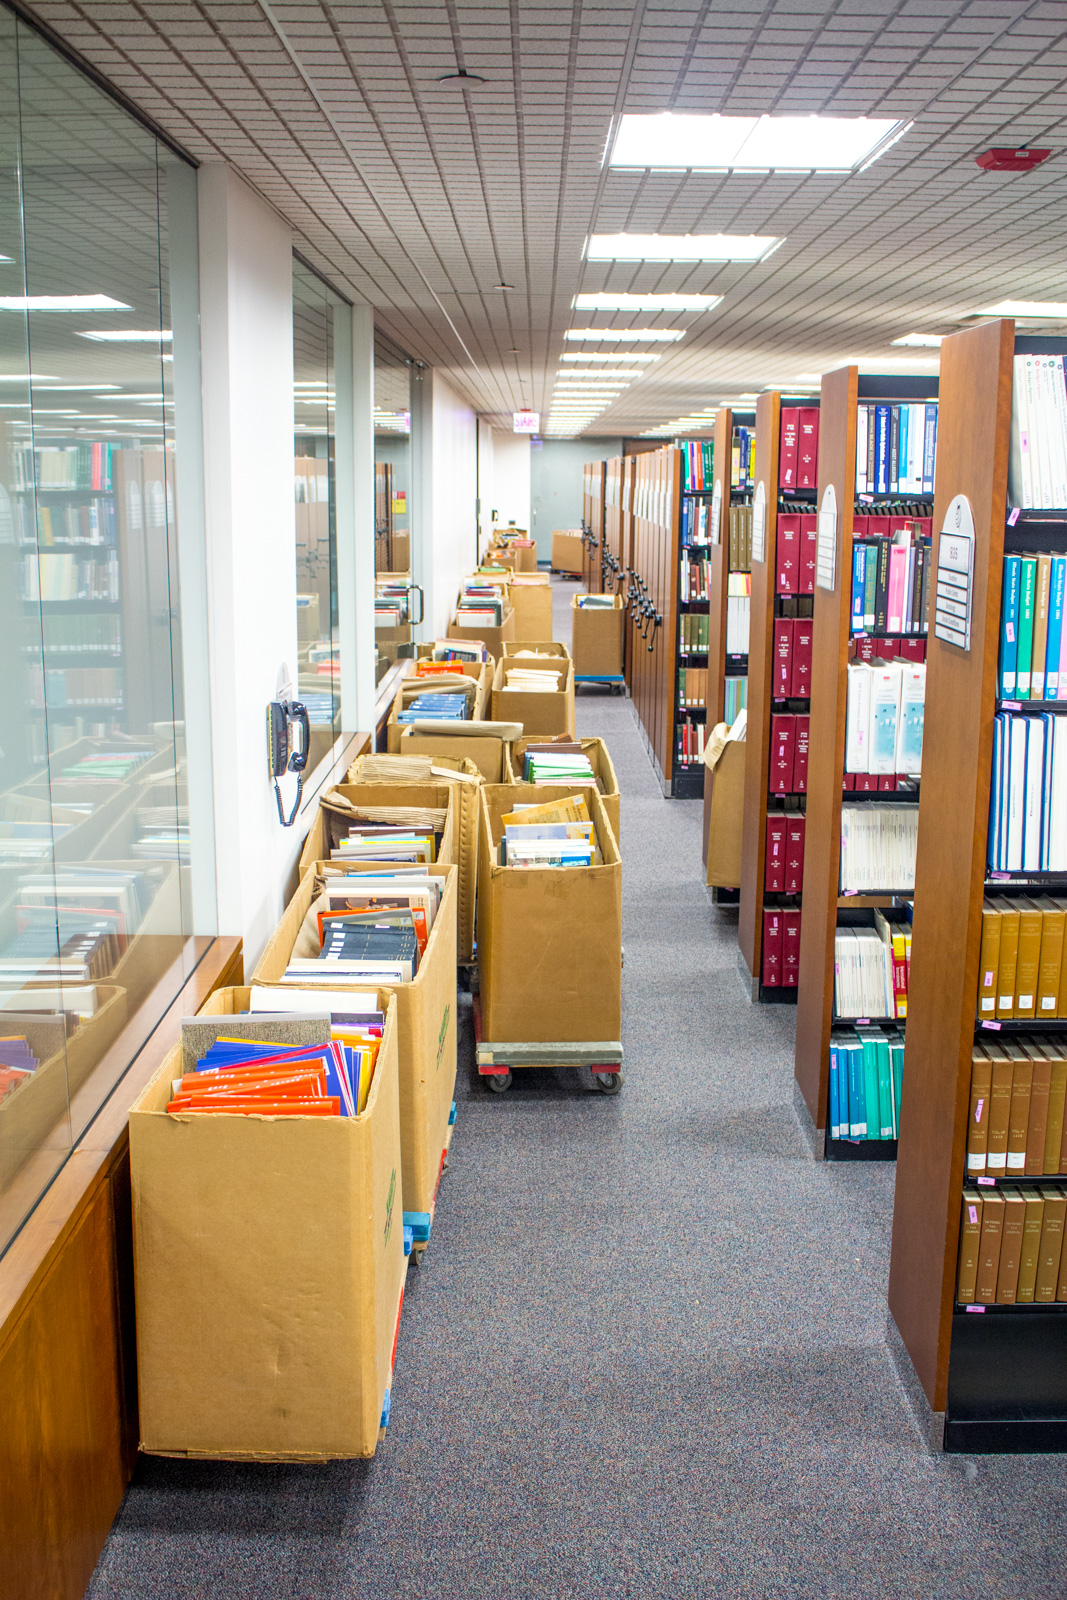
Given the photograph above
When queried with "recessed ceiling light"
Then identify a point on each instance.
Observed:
(504, 286)
(35, 377)
(623, 335)
(680, 247)
(1036, 310)
(131, 335)
(620, 373)
(614, 355)
(920, 341)
(61, 302)
(461, 79)
(753, 144)
(645, 302)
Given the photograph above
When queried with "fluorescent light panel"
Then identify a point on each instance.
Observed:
(626, 355)
(131, 335)
(645, 302)
(680, 247)
(623, 335)
(61, 302)
(753, 144)
(920, 341)
(1037, 310)
(622, 374)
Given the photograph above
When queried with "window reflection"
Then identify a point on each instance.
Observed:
(397, 604)
(319, 684)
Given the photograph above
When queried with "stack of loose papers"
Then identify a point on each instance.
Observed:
(532, 681)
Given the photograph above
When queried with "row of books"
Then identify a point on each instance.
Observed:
(467, 650)
(552, 762)
(884, 717)
(17, 1063)
(560, 833)
(738, 612)
(534, 680)
(1037, 470)
(1021, 970)
(891, 583)
(110, 766)
(61, 575)
(735, 697)
(783, 870)
(689, 740)
(872, 647)
(742, 458)
(798, 448)
(896, 448)
(795, 551)
(414, 842)
(866, 1077)
(695, 577)
(82, 633)
(79, 466)
(75, 686)
(237, 1077)
(692, 687)
(693, 633)
(163, 834)
(781, 948)
(789, 753)
(878, 848)
(864, 980)
(86, 522)
(1028, 794)
(698, 465)
(1015, 1119)
(1032, 660)
(791, 670)
(434, 706)
(1011, 1247)
(738, 522)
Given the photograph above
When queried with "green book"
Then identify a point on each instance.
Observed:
(896, 1065)
(870, 586)
(1027, 595)
(885, 1088)
(870, 1083)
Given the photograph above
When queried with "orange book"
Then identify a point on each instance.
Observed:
(330, 1107)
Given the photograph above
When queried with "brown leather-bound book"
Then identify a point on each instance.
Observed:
(989, 960)
(999, 1111)
(1053, 924)
(978, 1115)
(1011, 1247)
(1031, 1251)
(1037, 1125)
(1009, 956)
(1019, 1121)
(1048, 1264)
(1028, 962)
(985, 1286)
(970, 1240)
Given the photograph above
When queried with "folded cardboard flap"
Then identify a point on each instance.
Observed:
(726, 809)
(723, 734)
(537, 647)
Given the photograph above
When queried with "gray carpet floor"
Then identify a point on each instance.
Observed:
(646, 1356)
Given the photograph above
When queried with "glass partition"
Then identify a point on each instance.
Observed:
(319, 685)
(398, 605)
(94, 819)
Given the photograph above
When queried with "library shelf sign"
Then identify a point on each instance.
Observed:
(759, 521)
(525, 421)
(955, 571)
(716, 510)
(826, 544)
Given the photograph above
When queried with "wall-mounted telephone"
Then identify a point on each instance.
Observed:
(286, 753)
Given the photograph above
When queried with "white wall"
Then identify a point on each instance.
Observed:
(510, 493)
(450, 527)
(246, 327)
(556, 485)
(485, 485)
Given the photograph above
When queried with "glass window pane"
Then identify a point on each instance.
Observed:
(319, 684)
(395, 603)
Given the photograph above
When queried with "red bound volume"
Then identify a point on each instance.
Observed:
(928, 527)
(865, 648)
(790, 949)
(808, 449)
(787, 453)
(774, 867)
(783, 744)
(772, 949)
(794, 854)
(866, 782)
(878, 527)
(800, 758)
(809, 550)
(788, 574)
(913, 649)
(886, 649)
(782, 677)
(800, 679)
(887, 781)
(850, 781)
(859, 527)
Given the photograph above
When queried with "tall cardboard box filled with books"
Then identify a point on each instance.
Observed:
(494, 638)
(426, 1022)
(604, 780)
(724, 805)
(550, 938)
(531, 600)
(597, 638)
(544, 704)
(269, 1268)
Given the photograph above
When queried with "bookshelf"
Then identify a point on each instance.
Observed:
(652, 590)
(824, 908)
(593, 526)
(618, 542)
(996, 1376)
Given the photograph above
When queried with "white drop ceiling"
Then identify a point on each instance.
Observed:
(421, 198)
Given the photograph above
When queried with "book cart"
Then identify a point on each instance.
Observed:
(768, 697)
(593, 525)
(825, 909)
(997, 1373)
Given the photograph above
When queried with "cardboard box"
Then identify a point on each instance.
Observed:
(426, 1033)
(540, 713)
(519, 557)
(597, 639)
(724, 801)
(494, 639)
(531, 600)
(549, 938)
(568, 551)
(401, 542)
(269, 1270)
(607, 784)
(538, 647)
(485, 751)
(480, 671)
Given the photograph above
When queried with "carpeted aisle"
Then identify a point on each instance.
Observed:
(647, 1354)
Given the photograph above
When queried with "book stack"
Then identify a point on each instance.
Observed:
(80, 466)
(17, 1063)
(105, 767)
(60, 687)
(798, 451)
(556, 763)
(692, 687)
(1037, 471)
(457, 650)
(788, 772)
(596, 602)
(1011, 1246)
(781, 948)
(557, 834)
(162, 834)
(783, 870)
(795, 554)
(896, 446)
(739, 546)
(387, 842)
(695, 578)
(738, 608)
(694, 627)
(435, 706)
(884, 719)
(92, 522)
(698, 471)
(866, 1075)
(863, 975)
(735, 698)
(1028, 794)
(1015, 1124)
(892, 562)
(878, 845)
(690, 738)
(1032, 663)
(238, 1077)
(791, 670)
(1021, 967)
(532, 680)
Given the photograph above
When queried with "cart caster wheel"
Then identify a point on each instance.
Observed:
(608, 1082)
(498, 1082)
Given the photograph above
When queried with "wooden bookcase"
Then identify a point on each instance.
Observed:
(618, 537)
(593, 526)
(652, 590)
(998, 1377)
(823, 907)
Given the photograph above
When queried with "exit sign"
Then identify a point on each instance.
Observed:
(525, 421)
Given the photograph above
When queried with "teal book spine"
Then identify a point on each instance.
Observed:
(885, 1088)
(1027, 589)
(870, 1088)
(1009, 626)
(857, 1119)
(896, 1058)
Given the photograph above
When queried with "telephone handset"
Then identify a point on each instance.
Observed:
(286, 753)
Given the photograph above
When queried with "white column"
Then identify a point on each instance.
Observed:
(354, 479)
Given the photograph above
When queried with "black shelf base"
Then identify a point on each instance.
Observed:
(860, 1149)
(778, 994)
(687, 783)
(1007, 1381)
(1022, 1436)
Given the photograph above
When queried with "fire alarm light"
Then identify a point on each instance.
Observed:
(1005, 160)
